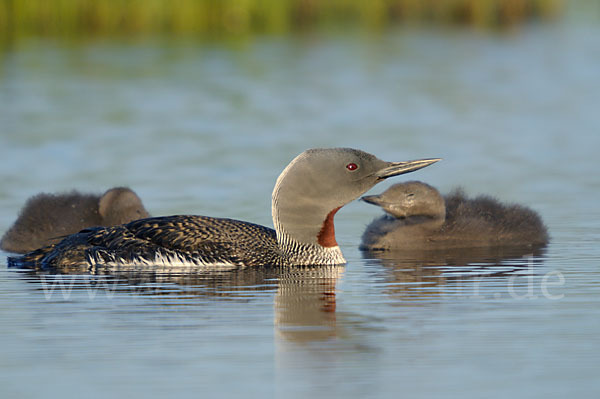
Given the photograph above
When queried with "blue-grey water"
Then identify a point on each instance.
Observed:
(207, 128)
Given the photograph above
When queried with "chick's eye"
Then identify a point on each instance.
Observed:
(352, 166)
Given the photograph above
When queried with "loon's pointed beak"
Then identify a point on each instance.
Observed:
(399, 168)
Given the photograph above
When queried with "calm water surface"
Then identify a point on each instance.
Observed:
(206, 129)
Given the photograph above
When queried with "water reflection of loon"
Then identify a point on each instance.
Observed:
(304, 296)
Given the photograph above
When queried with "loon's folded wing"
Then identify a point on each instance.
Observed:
(195, 240)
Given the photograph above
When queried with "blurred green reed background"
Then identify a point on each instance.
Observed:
(76, 18)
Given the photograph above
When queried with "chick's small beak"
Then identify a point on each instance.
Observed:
(400, 168)
(372, 199)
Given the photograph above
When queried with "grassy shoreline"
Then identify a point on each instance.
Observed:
(75, 18)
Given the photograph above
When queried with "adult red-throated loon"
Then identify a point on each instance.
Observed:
(307, 194)
(47, 218)
(420, 218)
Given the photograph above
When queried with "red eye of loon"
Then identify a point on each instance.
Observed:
(352, 166)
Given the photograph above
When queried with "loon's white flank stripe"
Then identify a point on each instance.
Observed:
(165, 260)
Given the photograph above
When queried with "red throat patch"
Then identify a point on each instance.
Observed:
(326, 237)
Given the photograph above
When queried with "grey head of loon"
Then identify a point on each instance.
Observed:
(318, 182)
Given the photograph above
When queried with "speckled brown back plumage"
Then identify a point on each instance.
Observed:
(194, 240)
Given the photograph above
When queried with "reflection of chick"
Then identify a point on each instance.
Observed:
(420, 218)
(45, 218)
